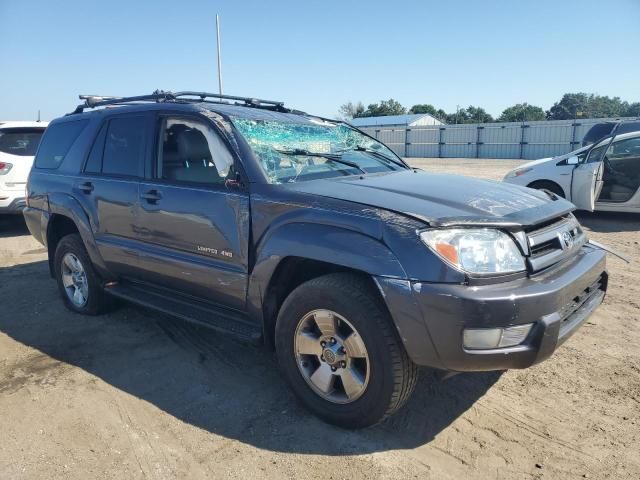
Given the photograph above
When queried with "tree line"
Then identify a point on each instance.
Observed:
(570, 106)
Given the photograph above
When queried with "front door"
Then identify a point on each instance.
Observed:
(194, 226)
(621, 180)
(586, 183)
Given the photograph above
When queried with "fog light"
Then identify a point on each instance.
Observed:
(487, 338)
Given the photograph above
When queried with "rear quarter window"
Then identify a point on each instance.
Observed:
(56, 143)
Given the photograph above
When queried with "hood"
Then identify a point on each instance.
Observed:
(532, 163)
(443, 200)
(549, 159)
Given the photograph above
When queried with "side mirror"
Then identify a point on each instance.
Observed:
(573, 160)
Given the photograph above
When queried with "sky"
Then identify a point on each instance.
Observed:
(317, 55)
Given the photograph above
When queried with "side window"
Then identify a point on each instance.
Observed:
(595, 155)
(124, 146)
(94, 161)
(56, 143)
(192, 152)
(628, 149)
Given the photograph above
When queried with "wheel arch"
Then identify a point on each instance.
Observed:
(66, 215)
(544, 183)
(296, 253)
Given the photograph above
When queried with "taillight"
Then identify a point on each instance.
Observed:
(5, 167)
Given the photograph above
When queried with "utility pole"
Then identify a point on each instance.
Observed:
(219, 56)
(457, 110)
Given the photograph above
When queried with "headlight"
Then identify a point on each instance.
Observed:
(476, 250)
(519, 172)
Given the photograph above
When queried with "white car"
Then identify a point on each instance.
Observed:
(602, 176)
(18, 144)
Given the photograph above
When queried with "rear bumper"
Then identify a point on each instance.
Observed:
(12, 205)
(36, 221)
(556, 302)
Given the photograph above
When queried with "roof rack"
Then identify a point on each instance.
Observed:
(246, 100)
(93, 101)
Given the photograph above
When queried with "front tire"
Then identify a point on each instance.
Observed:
(339, 350)
(78, 281)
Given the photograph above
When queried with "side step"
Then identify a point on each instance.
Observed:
(221, 320)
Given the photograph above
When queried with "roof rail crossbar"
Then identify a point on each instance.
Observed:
(247, 100)
(92, 101)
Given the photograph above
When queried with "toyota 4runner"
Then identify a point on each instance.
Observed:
(310, 236)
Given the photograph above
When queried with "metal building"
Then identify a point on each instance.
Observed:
(525, 140)
(410, 120)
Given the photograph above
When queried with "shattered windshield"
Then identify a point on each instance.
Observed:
(294, 152)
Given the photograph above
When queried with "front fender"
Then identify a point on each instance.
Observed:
(325, 243)
(66, 205)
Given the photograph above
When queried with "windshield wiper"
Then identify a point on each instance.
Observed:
(332, 157)
(376, 154)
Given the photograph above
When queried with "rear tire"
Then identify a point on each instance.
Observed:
(385, 376)
(78, 282)
(548, 185)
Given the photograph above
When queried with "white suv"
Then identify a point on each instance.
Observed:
(602, 176)
(18, 144)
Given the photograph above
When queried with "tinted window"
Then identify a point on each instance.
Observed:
(595, 155)
(628, 149)
(94, 162)
(192, 152)
(124, 146)
(628, 127)
(597, 132)
(56, 143)
(20, 141)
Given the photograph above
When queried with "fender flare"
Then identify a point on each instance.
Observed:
(65, 205)
(325, 243)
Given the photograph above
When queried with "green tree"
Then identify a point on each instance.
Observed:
(351, 110)
(568, 106)
(477, 115)
(470, 114)
(633, 110)
(460, 116)
(584, 105)
(522, 112)
(424, 108)
(385, 107)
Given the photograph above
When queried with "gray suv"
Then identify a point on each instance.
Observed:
(305, 234)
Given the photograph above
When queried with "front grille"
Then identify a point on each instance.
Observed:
(554, 241)
(579, 307)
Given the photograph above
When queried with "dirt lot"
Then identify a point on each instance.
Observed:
(135, 395)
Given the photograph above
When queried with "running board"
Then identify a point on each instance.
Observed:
(221, 320)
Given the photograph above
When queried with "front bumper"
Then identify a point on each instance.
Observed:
(556, 301)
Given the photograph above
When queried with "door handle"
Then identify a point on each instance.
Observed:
(86, 187)
(152, 196)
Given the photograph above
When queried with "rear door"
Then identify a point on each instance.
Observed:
(108, 187)
(193, 223)
(586, 182)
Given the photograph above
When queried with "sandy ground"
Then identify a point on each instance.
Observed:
(135, 395)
